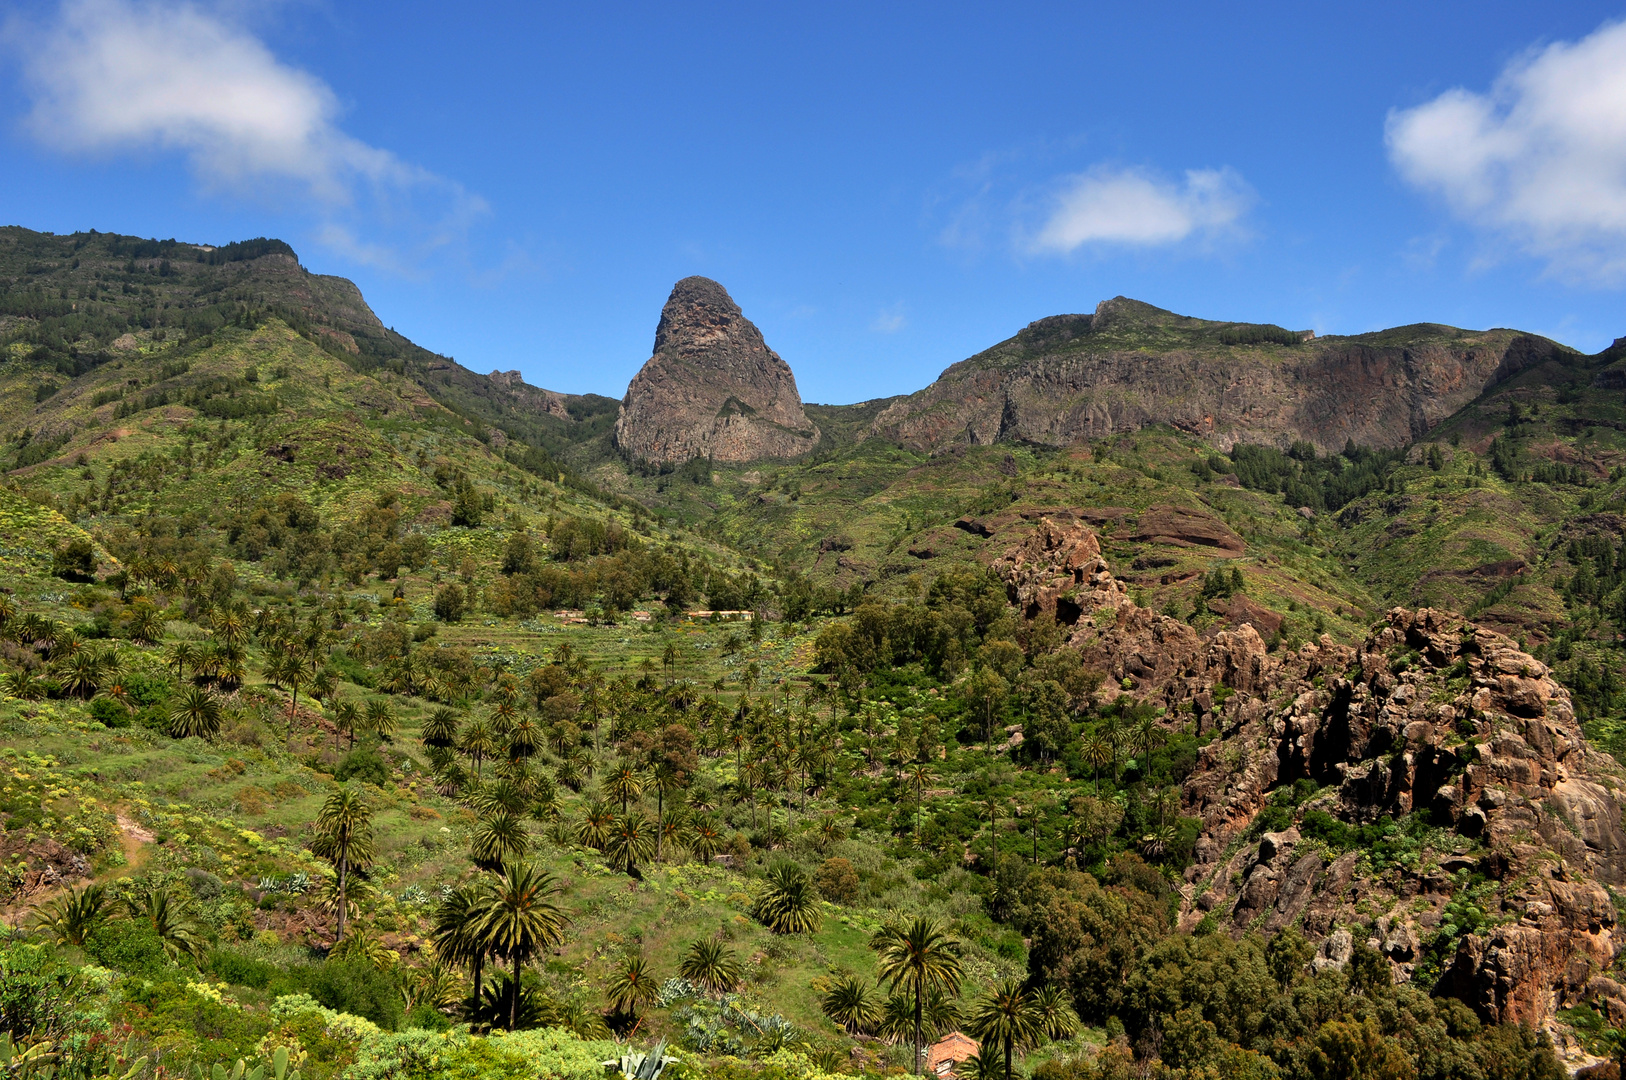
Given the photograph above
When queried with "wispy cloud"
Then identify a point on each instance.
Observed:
(109, 76)
(890, 319)
(1136, 208)
(1538, 159)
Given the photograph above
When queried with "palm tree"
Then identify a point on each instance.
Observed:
(521, 919)
(789, 902)
(479, 742)
(24, 686)
(1148, 735)
(1096, 752)
(503, 795)
(146, 625)
(364, 945)
(594, 829)
(196, 715)
(181, 654)
(453, 931)
(633, 986)
(624, 784)
(630, 842)
(711, 966)
(850, 1003)
(293, 676)
(344, 837)
(897, 1023)
(940, 1013)
(498, 838)
(981, 1067)
(920, 958)
(918, 775)
(170, 918)
(347, 718)
(441, 728)
(705, 839)
(80, 674)
(1056, 1016)
(674, 827)
(72, 918)
(380, 719)
(1007, 1016)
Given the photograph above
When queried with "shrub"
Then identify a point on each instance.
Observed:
(39, 994)
(363, 764)
(131, 947)
(837, 881)
(75, 561)
(110, 713)
(241, 970)
(351, 986)
(450, 603)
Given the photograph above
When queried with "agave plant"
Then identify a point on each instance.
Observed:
(636, 1065)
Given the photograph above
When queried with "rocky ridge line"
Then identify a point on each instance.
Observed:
(1073, 378)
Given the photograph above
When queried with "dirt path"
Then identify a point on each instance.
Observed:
(134, 839)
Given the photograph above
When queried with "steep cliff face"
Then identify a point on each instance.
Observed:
(713, 388)
(1071, 378)
(1428, 792)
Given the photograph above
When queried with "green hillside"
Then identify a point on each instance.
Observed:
(310, 636)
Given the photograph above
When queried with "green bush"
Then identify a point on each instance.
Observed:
(110, 713)
(363, 764)
(130, 947)
(350, 986)
(38, 992)
(242, 970)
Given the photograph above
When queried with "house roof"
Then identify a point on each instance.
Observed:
(949, 1051)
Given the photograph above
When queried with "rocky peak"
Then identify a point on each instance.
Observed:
(713, 389)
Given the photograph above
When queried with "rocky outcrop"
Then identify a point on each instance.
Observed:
(531, 397)
(713, 389)
(1072, 378)
(1494, 886)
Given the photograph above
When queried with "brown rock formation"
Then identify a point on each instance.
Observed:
(713, 389)
(531, 397)
(1429, 714)
(1072, 378)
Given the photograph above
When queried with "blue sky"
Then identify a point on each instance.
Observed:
(885, 189)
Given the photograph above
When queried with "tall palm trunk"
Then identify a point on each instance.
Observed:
(918, 1047)
(513, 1005)
(1007, 1058)
(344, 900)
(479, 977)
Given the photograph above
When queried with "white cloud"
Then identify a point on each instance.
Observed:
(1135, 208)
(890, 320)
(1539, 158)
(120, 75)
